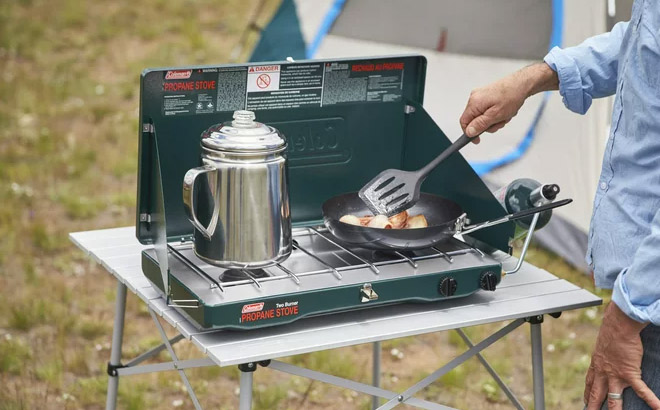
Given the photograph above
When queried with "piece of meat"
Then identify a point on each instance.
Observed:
(380, 221)
(366, 219)
(399, 220)
(417, 221)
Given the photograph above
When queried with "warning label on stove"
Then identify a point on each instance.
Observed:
(279, 86)
(302, 76)
(362, 82)
(284, 86)
(256, 311)
(263, 78)
(188, 92)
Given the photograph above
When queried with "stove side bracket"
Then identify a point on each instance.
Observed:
(454, 178)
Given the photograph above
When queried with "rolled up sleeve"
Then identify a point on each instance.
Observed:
(637, 288)
(589, 70)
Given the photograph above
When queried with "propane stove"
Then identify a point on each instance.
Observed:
(321, 276)
(344, 121)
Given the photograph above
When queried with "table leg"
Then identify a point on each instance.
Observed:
(245, 396)
(115, 352)
(537, 365)
(377, 349)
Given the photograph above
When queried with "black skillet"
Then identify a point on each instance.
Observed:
(441, 214)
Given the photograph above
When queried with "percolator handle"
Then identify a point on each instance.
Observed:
(189, 201)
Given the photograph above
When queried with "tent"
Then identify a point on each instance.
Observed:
(469, 44)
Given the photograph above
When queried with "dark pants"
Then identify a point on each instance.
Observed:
(650, 370)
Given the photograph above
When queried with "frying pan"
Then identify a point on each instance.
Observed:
(445, 218)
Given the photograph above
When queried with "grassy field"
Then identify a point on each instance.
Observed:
(69, 73)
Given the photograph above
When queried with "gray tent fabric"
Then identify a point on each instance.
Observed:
(475, 27)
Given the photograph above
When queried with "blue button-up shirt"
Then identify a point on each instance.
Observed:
(624, 238)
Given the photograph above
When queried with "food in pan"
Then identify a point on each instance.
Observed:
(401, 220)
(380, 221)
(350, 219)
(417, 221)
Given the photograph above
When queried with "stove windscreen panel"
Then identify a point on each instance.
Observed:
(346, 125)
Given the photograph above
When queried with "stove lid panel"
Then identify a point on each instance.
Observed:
(344, 122)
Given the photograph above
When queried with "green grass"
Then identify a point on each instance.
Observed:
(28, 313)
(13, 356)
(334, 362)
(491, 390)
(44, 239)
(92, 329)
(133, 396)
(269, 397)
(8, 403)
(91, 390)
(50, 372)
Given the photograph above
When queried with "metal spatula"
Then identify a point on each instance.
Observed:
(393, 190)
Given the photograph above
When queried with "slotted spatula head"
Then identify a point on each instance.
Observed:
(392, 191)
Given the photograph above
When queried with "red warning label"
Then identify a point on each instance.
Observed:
(377, 67)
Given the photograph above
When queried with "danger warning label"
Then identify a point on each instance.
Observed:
(281, 86)
(284, 86)
(263, 78)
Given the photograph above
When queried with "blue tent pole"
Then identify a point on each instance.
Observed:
(325, 26)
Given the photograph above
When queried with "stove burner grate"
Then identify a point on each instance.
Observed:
(233, 275)
(364, 258)
(384, 256)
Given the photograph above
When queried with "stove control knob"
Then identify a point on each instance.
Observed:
(448, 286)
(488, 281)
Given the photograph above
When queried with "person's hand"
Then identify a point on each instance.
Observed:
(616, 362)
(491, 107)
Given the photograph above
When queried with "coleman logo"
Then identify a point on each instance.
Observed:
(253, 307)
(178, 74)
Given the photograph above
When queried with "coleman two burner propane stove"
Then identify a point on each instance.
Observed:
(344, 121)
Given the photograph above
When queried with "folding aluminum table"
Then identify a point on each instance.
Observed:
(522, 297)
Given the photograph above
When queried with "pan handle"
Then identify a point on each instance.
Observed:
(513, 217)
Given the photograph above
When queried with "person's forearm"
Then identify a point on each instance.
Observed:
(537, 78)
(492, 107)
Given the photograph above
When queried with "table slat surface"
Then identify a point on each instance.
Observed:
(531, 291)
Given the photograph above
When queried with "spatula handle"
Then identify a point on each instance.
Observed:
(457, 145)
